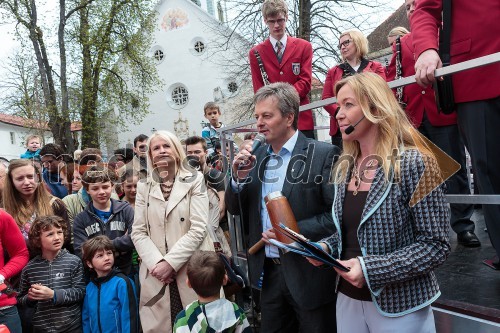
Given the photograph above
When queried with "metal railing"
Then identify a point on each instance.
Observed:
(237, 245)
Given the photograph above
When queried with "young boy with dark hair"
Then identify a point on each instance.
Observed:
(105, 216)
(33, 143)
(110, 303)
(209, 133)
(210, 313)
(52, 282)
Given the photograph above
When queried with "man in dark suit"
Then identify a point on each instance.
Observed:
(285, 59)
(440, 128)
(477, 92)
(295, 296)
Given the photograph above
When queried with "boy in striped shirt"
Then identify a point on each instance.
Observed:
(52, 282)
(210, 313)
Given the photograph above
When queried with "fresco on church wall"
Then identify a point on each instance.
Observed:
(174, 19)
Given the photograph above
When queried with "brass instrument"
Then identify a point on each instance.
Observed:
(263, 72)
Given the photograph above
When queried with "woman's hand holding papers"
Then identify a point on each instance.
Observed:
(355, 275)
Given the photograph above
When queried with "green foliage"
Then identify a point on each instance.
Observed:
(97, 61)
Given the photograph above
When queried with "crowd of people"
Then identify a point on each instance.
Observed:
(93, 246)
(133, 242)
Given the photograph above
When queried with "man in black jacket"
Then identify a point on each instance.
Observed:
(295, 296)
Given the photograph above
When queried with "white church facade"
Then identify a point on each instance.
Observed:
(190, 70)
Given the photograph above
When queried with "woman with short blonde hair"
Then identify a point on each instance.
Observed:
(170, 223)
(353, 47)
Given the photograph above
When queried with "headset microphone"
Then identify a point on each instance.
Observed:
(351, 128)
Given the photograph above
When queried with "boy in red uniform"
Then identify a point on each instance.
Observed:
(285, 59)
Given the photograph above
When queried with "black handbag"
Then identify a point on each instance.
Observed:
(445, 99)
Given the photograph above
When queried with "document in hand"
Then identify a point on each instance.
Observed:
(303, 246)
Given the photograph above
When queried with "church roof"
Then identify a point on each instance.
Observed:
(378, 38)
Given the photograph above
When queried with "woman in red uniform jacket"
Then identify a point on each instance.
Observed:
(353, 46)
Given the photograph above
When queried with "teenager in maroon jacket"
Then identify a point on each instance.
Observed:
(440, 128)
(353, 47)
(293, 64)
(474, 33)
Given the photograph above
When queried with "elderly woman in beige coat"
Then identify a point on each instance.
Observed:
(171, 214)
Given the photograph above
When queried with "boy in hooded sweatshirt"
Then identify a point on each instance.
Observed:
(105, 216)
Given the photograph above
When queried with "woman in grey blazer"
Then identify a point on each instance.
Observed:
(389, 212)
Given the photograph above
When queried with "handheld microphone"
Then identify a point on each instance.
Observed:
(351, 128)
(259, 140)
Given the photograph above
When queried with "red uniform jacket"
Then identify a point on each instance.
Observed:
(295, 68)
(418, 99)
(333, 76)
(474, 33)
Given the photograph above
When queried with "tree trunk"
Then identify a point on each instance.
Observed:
(66, 124)
(304, 20)
(56, 122)
(90, 131)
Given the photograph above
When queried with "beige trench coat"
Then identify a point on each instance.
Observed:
(180, 224)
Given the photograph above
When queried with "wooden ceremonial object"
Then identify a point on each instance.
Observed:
(257, 246)
(279, 211)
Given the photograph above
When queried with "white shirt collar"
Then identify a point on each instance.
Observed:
(288, 146)
(282, 40)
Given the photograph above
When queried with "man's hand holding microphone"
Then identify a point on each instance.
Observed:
(244, 161)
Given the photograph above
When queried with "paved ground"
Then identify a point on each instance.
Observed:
(464, 277)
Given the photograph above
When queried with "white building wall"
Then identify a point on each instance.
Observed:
(180, 24)
(13, 145)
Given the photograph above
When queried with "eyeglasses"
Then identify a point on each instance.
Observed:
(273, 22)
(345, 43)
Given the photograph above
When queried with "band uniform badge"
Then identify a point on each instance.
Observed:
(296, 68)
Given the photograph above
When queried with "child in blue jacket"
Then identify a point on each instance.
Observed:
(110, 304)
(33, 143)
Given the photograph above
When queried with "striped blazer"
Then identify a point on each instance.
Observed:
(401, 245)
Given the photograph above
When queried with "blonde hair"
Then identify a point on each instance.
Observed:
(380, 107)
(177, 148)
(359, 41)
(33, 136)
(273, 8)
(398, 31)
(15, 205)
